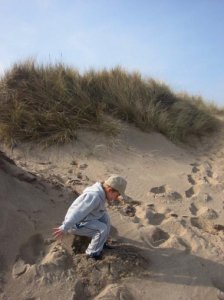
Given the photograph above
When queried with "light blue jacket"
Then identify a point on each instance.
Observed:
(90, 205)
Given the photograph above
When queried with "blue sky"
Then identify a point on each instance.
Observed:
(176, 41)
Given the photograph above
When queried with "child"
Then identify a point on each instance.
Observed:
(87, 216)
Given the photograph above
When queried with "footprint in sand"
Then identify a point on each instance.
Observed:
(219, 227)
(149, 215)
(207, 198)
(158, 190)
(193, 209)
(165, 192)
(82, 166)
(197, 182)
(205, 224)
(208, 169)
(153, 217)
(190, 192)
(128, 207)
(207, 213)
(197, 178)
(203, 172)
(197, 222)
(153, 235)
(191, 180)
(128, 210)
(203, 212)
(195, 168)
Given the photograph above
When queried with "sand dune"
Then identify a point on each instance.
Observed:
(168, 235)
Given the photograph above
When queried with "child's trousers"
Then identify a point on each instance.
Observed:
(98, 230)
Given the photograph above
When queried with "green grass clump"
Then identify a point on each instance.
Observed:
(50, 103)
(44, 103)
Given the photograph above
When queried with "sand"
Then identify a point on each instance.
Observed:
(168, 235)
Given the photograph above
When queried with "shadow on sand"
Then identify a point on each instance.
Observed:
(179, 267)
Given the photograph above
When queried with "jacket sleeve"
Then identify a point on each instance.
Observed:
(77, 212)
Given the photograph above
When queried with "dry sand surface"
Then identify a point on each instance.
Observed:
(168, 236)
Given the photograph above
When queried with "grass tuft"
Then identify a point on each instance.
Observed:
(50, 103)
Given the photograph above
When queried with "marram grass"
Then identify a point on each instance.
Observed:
(50, 103)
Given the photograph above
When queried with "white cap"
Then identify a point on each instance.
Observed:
(118, 183)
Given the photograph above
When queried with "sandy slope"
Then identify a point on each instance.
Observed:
(168, 236)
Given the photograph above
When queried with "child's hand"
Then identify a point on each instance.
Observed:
(58, 233)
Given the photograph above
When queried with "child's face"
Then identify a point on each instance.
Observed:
(112, 194)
